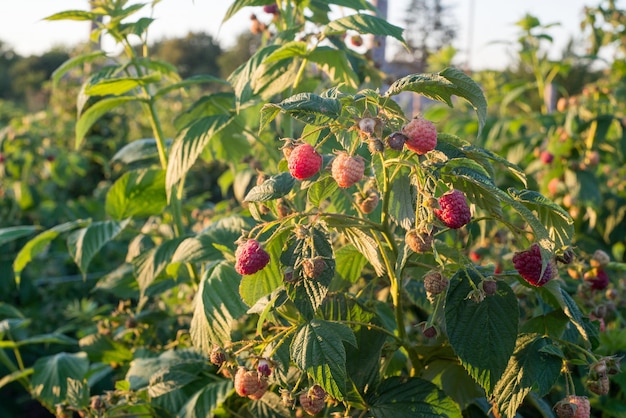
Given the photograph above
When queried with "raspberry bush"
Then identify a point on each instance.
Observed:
(338, 275)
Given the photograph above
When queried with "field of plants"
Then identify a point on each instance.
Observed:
(288, 240)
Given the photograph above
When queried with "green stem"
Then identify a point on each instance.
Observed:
(300, 73)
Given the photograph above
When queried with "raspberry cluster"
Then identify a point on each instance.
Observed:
(250, 257)
(453, 210)
(528, 264)
(304, 161)
(421, 135)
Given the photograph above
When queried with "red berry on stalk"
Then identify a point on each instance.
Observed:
(1, 158)
(421, 135)
(528, 265)
(356, 40)
(347, 170)
(598, 278)
(546, 157)
(304, 162)
(270, 8)
(454, 211)
(250, 257)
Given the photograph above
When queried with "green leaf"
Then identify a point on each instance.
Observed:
(402, 202)
(288, 50)
(242, 76)
(119, 86)
(12, 233)
(38, 244)
(217, 306)
(335, 63)
(204, 402)
(137, 193)
(482, 333)
(52, 338)
(189, 145)
(150, 264)
(272, 188)
(321, 190)
(104, 349)
(240, 4)
(364, 23)
(77, 393)
(95, 112)
(137, 151)
(85, 243)
(269, 406)
(398, 397)
(50, 375)
(73, 63)
(556, 220)
(441, 86)
(350, 263)
(142, 370)
(188, 82)
(529, 369)
(366, 246)
(305, 107)
(73, 15)
(317, 348)
(353, 4)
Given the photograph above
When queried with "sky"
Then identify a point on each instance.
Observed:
(23, 28)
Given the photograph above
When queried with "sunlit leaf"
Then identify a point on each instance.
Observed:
(137, 193)
(529, 369)
(217, 306)
(95, 112)
(50, 375)
(318, 349)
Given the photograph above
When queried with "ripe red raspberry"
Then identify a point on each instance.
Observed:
(247, 383)
(528, 265)
(421, 135)
(347, 170)
(546, 157)
(304, 162)
(419, 242)
(598, 278)
(313, 267)
(250, 257)
(435, 283)
(454, 210)
(313, 400)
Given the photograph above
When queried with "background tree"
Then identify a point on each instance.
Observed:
(429, 27)
(196, 53)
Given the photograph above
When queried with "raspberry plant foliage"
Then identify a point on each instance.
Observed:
(352, 326)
